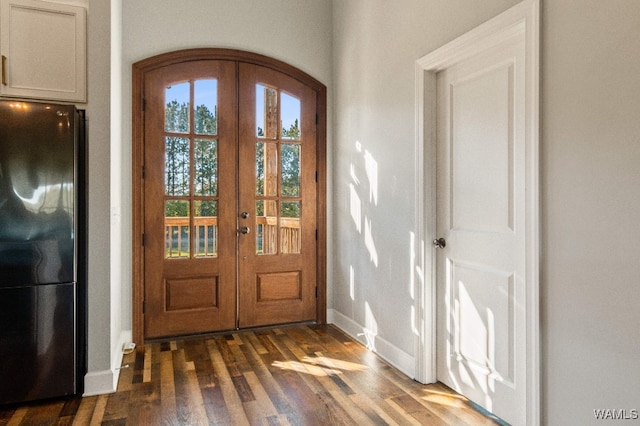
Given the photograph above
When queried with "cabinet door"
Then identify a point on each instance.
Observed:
(43, 50)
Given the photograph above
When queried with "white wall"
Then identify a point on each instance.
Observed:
(590, 208)
(376, 47)
(590, 166)
(120, 237)
(98, 127)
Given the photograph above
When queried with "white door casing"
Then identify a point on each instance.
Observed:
(477, 145)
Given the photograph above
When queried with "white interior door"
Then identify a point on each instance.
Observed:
(481, 215)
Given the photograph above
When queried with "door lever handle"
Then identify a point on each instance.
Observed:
(440, 243)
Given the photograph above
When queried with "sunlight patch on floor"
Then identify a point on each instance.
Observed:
(447, 400)
(335, 363)
(319, 366)
(300, 367)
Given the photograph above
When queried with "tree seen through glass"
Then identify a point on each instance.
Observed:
(191, 156)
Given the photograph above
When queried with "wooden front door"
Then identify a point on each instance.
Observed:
(277, 197)
(229, 198)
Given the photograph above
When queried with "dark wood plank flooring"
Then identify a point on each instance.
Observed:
(298, 375)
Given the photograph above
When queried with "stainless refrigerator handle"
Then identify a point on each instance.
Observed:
(4, 70)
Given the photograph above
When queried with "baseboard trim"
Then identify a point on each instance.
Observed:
(100, 382)
(386, 350)
(106, 381)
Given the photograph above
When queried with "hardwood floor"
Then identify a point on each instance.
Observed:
(299, 375)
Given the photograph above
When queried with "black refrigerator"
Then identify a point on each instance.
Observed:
(42, 251)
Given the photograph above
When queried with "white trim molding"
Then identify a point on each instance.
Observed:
(106, 381)
(524, 16)
(385, 349)
(100, 382)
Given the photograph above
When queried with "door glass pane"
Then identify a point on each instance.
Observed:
(176, 229)
(205, 104)
(290, 169)
(260, 168)
(267, 121)
(205, 223)
(176, 171)
(290, 116)
(176, 114)
(267, 168)
(260, 227)
(266, 227)
(260, 110)
(290, 227)
(205, 167)
(270, 167)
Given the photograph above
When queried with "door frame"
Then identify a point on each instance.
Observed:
(139, 70)
(524, 16)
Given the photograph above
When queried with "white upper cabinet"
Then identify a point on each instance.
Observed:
(43, 48)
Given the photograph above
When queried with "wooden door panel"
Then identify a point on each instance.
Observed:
(191, 293)
(278, 286)
(190, 279)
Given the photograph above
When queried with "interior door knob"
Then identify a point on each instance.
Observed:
(244, 215)
(439, 243)
(244, 230)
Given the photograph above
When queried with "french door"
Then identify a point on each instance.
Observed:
(278, 190)
(229, 198)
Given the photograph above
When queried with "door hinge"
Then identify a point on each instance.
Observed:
(317, 119)
(316, 235)
(316, 292)
(316, 176)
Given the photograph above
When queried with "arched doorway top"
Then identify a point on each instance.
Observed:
(215, 53)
